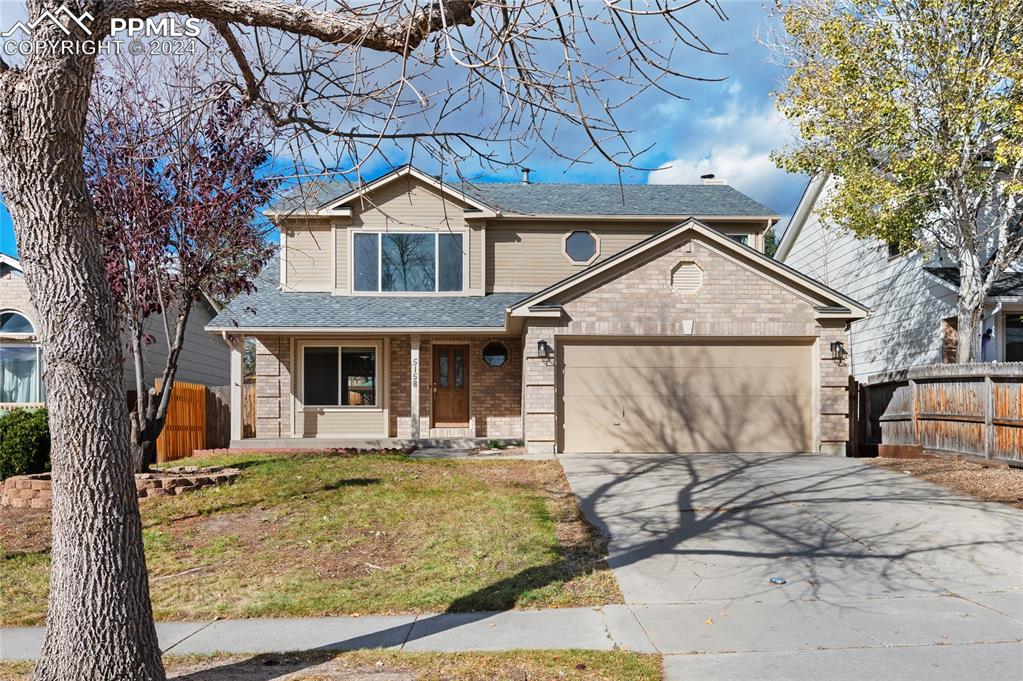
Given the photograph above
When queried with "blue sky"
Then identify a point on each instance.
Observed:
(728, 128)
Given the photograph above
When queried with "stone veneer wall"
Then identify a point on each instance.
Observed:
(495, 393)
(732, 301)
(273, 386)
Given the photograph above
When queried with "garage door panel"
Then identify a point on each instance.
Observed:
(729, 353)
(676, 381)
(685, 397)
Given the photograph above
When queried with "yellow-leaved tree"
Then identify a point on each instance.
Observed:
(915, 107)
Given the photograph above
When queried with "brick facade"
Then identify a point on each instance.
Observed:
(495, 393)
(273, 387)
(732, 300)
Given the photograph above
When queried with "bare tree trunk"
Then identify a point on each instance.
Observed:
(99, 622)
(969, 307)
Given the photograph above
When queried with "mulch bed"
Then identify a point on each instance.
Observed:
(989, 482)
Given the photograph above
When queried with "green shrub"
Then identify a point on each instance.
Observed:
(24, 442)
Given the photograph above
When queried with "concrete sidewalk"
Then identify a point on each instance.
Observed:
(606, 628)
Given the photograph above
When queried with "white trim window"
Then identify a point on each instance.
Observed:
(341, 375)
(408, 262)
(21, 363)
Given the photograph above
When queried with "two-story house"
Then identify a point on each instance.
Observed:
(912, 295)
(578, 317)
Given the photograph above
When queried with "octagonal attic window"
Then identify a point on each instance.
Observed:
(686, 278)
(581, 247)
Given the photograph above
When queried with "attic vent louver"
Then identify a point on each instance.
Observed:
(686, 278)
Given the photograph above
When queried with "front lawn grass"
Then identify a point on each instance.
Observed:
(535, 665)
(323, 535)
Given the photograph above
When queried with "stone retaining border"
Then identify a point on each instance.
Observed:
(35, 491)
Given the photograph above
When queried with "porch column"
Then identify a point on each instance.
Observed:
(237, 344)
(414, 385)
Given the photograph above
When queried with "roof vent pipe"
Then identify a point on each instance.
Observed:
(710, 179)
(525, 175)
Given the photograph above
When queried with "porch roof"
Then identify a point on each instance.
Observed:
(270, 309)
(1009, 285)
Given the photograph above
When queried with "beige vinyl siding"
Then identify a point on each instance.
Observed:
(406, 204)
(341, 237)
(316, 422)
(524, 255)
(309, 256)
(410, 205)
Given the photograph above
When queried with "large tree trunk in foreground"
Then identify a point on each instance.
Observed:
(99, 623)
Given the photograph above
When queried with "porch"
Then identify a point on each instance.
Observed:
(341, 389)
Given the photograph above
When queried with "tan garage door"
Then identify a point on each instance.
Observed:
(668, 396)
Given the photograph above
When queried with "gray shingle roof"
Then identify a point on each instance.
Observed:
(564, 199)
(1008, 285)
(615, 199)
(270, 308)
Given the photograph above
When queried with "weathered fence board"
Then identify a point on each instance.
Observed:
(971, 409)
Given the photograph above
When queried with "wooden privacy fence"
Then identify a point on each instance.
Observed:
(969, 409)
(198, 417)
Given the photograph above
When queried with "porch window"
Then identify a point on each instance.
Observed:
(1014, 337)
(339, 376)
(20, 375)
(417, 262)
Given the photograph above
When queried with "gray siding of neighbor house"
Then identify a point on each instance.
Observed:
(205, 359)
(907, 304)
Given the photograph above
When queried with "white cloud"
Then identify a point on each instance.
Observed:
(736, 147)
(748, 171)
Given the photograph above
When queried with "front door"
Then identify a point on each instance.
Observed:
(450, 386)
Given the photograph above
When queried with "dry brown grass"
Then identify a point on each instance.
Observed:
(987, 482)
(320, 535)
(379, 665)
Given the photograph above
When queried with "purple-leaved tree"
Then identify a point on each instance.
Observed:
(176, 189)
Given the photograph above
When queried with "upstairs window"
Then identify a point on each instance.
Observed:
(418, 262)
(741, 238)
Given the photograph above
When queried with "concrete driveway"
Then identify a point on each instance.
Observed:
(886, 576)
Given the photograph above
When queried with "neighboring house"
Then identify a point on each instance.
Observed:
(912, 296)
(205, 359)
(576, 317)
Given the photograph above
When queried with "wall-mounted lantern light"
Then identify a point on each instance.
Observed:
(543, 348)
(838, 351)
